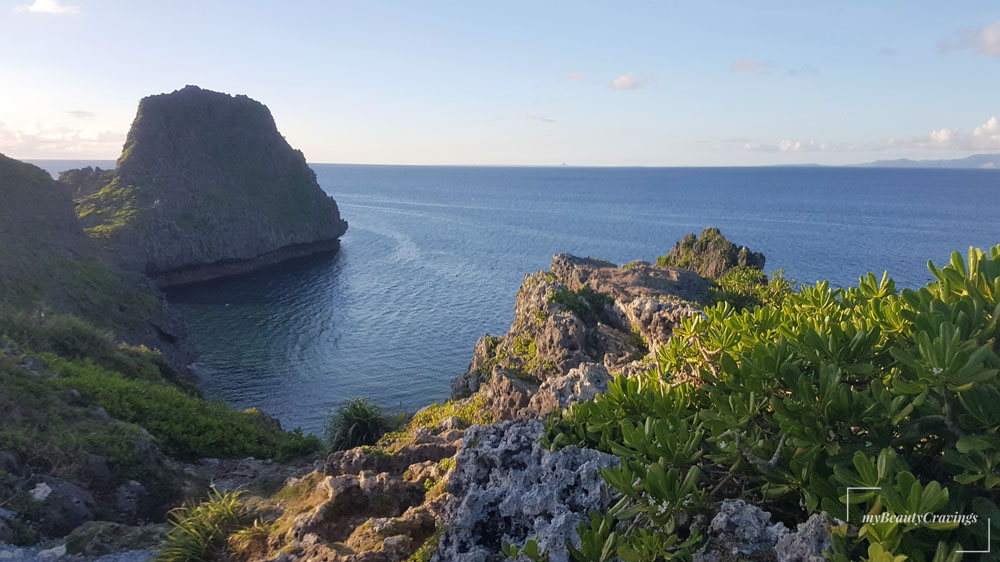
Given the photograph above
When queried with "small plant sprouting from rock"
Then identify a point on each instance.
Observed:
(530, 551)
(355, 423)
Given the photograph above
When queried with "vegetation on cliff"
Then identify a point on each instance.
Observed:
(98, 413)
(83, 409)
(789, 403)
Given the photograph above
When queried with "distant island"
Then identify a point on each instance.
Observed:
(981, 161)
(976, 161)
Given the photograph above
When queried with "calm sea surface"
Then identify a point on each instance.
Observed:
(434, 256)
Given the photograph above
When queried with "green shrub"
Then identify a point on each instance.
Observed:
(787, 405)
(183, 425)
(747, 287)
(355, 423)
(199, 532)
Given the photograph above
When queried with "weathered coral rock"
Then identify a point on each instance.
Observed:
(507, 488)
(579, 385)
(809, 542)
(740, 531)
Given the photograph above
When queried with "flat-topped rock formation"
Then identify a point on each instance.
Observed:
(205, 187)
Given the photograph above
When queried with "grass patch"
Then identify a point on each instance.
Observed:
(471, 413)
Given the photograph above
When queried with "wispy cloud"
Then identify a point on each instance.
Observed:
(752, 65)
(887, 51)
(984, 40)
(790, 145)
(575, 76)
(536, 118)
(802, 70)
(59, 139)
(48, 7)
(80, 114)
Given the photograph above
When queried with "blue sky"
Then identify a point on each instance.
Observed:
(533, 83)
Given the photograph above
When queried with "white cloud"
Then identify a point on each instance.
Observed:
(984, 40)
(985, 137)
(626, 82)
(48, 7)
(80, 114)
(752, 65)
(59, 141)
(574, 76)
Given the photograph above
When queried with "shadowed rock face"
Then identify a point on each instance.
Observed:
(206, 187)
(47, 264)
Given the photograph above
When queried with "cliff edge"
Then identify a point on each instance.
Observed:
(205, 187)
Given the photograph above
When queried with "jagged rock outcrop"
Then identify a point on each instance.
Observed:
(506, 487)
(205, 187)
(48, 265)
(710, 254)
(580, 315)
(366, 504)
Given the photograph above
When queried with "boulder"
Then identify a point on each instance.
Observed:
(64, 506)
(98, 538)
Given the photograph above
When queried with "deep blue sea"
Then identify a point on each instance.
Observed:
(434, 256)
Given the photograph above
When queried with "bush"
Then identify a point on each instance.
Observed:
(355, 423)
(747, 287)
(184, 426)
(788, 405)
(198, 533)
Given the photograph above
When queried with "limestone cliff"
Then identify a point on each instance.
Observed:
(48, 265)
(574, 325)
(205, 187)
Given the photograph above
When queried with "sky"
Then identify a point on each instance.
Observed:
(664, 83)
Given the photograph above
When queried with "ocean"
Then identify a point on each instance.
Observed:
(433, 258)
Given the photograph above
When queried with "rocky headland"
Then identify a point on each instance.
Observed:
(205, 187)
